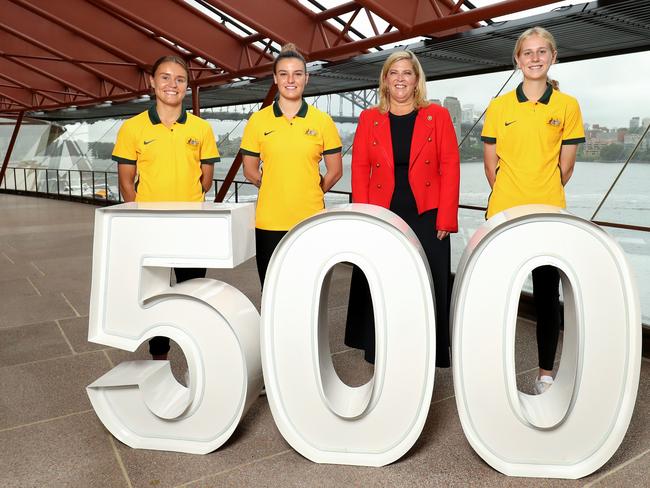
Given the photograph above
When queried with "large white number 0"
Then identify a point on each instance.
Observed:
(568, 432)
(216, 326)
(319, 415)
(577, 425)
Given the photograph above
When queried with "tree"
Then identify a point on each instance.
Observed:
(612, 152)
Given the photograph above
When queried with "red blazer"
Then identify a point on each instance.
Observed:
(434, 166)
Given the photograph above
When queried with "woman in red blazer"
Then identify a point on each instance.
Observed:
(405, 158)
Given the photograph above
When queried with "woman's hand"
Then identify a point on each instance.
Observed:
(252, 170)
(442, 234)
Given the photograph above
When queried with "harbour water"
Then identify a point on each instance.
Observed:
(628, 203)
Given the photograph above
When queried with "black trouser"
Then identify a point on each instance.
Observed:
(546, 291)
(265, 243)
(160, 345)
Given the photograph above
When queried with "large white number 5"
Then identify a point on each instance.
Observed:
(215, 325)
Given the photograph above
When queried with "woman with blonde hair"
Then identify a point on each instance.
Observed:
(530, 137)
(405, 158)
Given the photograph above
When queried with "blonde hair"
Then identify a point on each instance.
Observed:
(544, 34)
(420, 93)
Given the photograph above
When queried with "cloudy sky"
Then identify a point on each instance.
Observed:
(610, 90)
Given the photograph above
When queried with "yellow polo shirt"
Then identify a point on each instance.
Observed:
(168, 160)
(528, 137)
(290, 151)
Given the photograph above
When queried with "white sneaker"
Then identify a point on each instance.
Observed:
(542, 384)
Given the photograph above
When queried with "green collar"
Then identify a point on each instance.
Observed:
(155, 119)
(277, 111)
(545, 98)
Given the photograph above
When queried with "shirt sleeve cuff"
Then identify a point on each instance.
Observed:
(334, 150)
(489, 140)
(578, 140)
(210, 160)
(246, 152)
(120, 160)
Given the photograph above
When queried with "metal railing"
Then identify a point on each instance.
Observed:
(102, 188)
(97, 187)
(69, 184)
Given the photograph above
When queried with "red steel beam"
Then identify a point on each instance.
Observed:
(99, 27)
(236, 164)
(196, 101)
(10, 149)
(60, 41)
(178, 22)
(428, 27)
(60, 70)
(28, 79)
(16, 101)
(125, 33)
(25, 93)
(330, 13)
(296, 23)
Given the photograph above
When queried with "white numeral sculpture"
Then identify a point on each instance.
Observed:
(567, 432)
(321, 417)
(216, 326)
(577, 425)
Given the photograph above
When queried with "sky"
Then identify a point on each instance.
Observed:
(610, 90)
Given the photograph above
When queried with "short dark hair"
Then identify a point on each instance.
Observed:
(289, 51)
(170, 59)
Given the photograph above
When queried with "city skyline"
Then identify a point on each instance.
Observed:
(598, 85)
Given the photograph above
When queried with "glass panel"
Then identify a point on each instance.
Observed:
(636, 245)
(6, 129)
(629, 200)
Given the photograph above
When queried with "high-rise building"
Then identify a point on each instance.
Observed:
(468, 114)
(436, 101)
(645, 122)
(453, 105)
(635, 123)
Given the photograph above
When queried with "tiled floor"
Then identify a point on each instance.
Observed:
(50, 436)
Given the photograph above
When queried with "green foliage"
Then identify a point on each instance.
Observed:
(612, 152)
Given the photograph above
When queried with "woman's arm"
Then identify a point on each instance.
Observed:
(449, 161)
(360, 161)
(334, 165)
(126, 177)
(567, 161)
(252, 169)
(207, 174)
(490, 160)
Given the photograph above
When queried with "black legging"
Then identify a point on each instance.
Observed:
(265, 243)
(546, 291)
(159, 345)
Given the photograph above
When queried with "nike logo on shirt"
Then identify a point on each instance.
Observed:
(149, 141)
(511, 122)
(267, 133)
